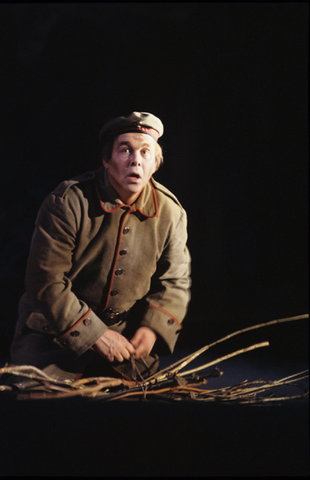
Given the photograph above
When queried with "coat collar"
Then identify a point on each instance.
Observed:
(146, 203)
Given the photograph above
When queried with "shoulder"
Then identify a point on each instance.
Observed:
(64, 187)
(67, 200)
(165, 195)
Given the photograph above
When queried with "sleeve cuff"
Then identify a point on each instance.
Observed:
(83, 334)
(163, 323)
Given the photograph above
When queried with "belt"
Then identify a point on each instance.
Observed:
(112, 318)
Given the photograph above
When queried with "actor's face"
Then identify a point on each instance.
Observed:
(131, 165)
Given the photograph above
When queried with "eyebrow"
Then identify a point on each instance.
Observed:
(145, 144)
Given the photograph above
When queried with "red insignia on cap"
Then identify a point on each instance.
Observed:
(149, 130)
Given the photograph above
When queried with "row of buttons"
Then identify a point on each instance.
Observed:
(120, 271)
(124, 251)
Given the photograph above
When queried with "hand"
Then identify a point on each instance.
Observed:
(113, 346)
(143, 341)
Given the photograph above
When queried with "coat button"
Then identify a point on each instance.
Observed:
(123, 252)
(126, 230)
(119, 271)
(170, 321)
(46, 328)
(75, 333)
(87, 321)
(114, 292)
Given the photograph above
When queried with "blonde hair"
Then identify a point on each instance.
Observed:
(159, 157)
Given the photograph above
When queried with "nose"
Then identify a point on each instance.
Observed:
(135, 158)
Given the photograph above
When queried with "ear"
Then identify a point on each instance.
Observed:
(105, 163)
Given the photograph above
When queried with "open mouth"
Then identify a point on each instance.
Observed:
(133, 176)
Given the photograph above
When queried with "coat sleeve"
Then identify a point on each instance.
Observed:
(169, 296)
(75, 325)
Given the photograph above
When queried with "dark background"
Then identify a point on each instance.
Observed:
(229, 81)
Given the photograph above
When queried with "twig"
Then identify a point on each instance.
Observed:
(226, 357)
(32, 372)
(85, 391)
(186, 360)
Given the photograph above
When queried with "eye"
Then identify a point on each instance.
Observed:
(124, 150)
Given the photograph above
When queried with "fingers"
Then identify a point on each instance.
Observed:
(143, 341)
(142, 349)
(113, 346)
(119, 355)
(141, 352)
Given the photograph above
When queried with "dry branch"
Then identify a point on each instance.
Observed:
(180, 364)
(167, 384)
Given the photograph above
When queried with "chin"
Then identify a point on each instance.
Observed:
(135, 188)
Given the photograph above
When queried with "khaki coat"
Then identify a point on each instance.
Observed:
(91, 258)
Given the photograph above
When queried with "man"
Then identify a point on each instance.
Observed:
(107, 279)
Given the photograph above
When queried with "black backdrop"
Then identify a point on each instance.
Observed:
(228, 80)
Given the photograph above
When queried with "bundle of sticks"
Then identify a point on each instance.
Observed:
(172, 383)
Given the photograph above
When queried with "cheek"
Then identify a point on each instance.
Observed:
(154, 168)
(114, 166)
(149, 171)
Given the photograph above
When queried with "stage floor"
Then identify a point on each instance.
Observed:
(89, 437)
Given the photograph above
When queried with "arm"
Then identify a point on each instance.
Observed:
(47, 282)
(169, 295)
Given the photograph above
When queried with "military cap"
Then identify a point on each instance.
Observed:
(141, 122)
